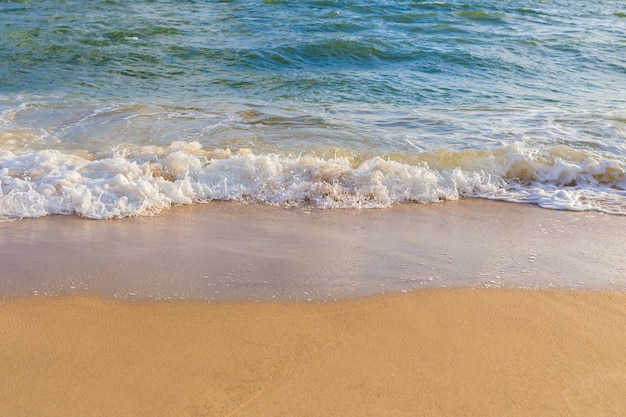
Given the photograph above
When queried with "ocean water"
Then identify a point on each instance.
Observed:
(116, 108)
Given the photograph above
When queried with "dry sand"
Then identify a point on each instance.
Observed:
(446, 352)
(432, 351)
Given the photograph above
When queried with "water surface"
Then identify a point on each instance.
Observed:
(116, 109)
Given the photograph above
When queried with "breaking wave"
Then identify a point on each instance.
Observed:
(144, 180)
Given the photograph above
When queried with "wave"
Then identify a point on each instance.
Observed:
(144, 180)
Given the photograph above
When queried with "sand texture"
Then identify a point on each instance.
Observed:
(395, 344)
(446, 352)
(232, 251)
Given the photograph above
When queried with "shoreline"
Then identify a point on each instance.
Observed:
(434, 352)
(233, 251)
(388, 345)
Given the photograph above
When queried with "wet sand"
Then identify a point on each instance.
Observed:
(417, 350)
(231, 251)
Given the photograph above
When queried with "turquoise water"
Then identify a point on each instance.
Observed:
(115, 108)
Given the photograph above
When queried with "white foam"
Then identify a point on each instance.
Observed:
(147, 180)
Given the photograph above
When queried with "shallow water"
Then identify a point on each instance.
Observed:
(115, 109)
(233, 251)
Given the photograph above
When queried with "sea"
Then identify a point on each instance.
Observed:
(114, 109)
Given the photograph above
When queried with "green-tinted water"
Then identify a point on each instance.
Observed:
(391, 101)
(480, 53)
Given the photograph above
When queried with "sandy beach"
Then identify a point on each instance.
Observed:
(233, 251)
(233, 332)
(312, 208)
(487, 352)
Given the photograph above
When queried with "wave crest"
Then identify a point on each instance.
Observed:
(145, 180)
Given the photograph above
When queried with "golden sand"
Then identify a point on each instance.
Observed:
(446, 352)
(429, 352)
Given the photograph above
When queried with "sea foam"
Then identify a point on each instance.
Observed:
(144, 180)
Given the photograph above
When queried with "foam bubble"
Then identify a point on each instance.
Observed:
(146, 180)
